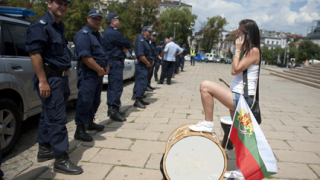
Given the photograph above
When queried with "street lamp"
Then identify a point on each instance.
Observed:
(174, 33)
(191, 28)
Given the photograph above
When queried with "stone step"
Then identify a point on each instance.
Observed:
(305, 78)
(308, 71)
(302, 74)
(297, 80)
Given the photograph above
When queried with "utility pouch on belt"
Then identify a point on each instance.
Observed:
(46, 68)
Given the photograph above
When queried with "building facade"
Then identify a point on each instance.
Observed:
(314, 32)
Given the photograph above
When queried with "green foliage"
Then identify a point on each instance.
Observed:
(212, 31)
(76, 18)
(184, 17)
(136, 15)
(307, 50)
(271, 55)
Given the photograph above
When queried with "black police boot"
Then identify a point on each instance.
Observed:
(93, 126)
(143, 102)
(62, 164)
(149, 89)
(81, 134)
(138, 103)
(45, 152)
(115, 115)
(134, 96)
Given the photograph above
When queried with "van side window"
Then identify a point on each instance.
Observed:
(19, 35)
(8, 45)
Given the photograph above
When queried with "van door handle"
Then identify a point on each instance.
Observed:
(15, 66)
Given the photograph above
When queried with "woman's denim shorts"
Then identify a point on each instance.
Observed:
(236, 97)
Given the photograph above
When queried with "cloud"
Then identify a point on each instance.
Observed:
(269, 14)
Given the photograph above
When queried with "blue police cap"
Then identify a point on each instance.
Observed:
(95, 13)
(147, 28)
(112, 15)
(161, 42)
(184, 44)
(66, 0)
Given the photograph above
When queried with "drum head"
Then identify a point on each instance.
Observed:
(226, 120)
(193, 158)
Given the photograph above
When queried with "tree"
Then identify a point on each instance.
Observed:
(184, 18)
(212, 32)
(76, 17)
(307, 50)
(136, 15)
(38, 6)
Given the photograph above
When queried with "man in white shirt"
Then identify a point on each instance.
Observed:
(170, 52)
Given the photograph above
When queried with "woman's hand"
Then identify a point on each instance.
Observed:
(239, 43)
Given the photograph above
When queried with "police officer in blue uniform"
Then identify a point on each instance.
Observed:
(116, 47)
(177, 63)
(153, 58)
(158, 61)
(143, 54)
(47, 47)
(182, 56)
(92, 66)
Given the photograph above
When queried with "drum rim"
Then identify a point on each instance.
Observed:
(206, 135)
(177, 130)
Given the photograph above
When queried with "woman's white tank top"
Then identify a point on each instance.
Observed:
(237, 82)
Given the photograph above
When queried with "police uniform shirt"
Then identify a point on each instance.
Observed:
(153, 50)
(142, 47)
(46, 37)
(88, 44)
(113, 43)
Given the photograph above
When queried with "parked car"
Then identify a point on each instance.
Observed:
(226, 60)
(187, 57)
(210, 57)
(18, 99)
(128, 71)
(314, 61)
(200, 57)
(216, 60)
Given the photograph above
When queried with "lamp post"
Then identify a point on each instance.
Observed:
(174, 33)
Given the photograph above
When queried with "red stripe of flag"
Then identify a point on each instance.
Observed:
(245, 161)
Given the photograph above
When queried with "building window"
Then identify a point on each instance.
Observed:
(267, 42)
(271, 42)
(269, 47)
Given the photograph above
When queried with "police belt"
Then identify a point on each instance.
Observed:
(116, 59)
(57, 73)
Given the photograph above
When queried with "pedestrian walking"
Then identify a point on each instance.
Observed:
(152, 43)
(170, 52)
(116, 47)
(183, 55)
(92, 66)
(177, 63)
(158, 61)
(192, 55)
(47, 47)
(143, 55)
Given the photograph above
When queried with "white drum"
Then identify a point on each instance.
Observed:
(193, 156)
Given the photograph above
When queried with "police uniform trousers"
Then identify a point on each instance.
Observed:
(150, 73)
(182, 63)
(141, 82)
(52, 129)
(89, 95)
(156, 67)
(167, 70)
(115, 82)
(177, 65)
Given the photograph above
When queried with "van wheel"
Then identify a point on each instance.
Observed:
(10, 125)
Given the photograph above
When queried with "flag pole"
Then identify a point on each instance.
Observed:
(225, 148)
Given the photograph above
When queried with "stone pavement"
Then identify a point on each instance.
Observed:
(132, 150)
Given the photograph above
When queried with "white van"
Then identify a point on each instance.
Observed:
(210, 57)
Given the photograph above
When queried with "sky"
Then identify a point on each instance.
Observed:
(293, 16)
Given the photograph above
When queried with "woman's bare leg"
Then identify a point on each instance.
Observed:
(210, 90)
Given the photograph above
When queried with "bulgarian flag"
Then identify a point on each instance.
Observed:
(254, 156)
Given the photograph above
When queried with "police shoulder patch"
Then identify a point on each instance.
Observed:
(142, 40)
(85, 31)
(42, 22)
